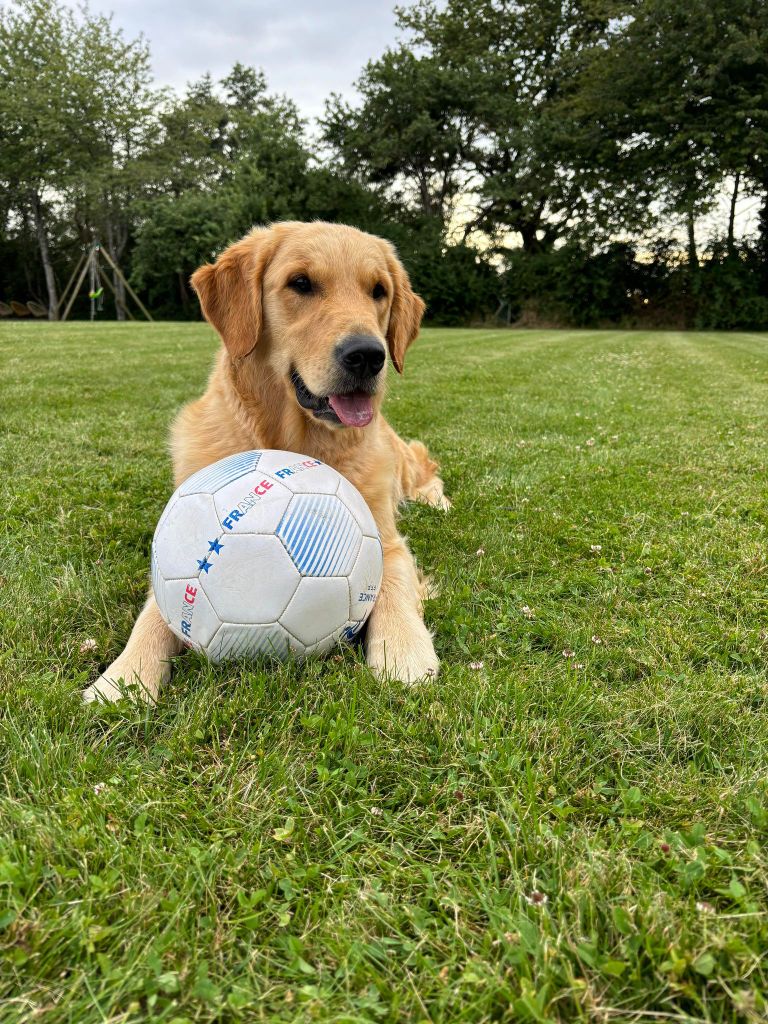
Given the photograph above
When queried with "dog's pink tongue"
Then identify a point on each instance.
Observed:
(354, 410)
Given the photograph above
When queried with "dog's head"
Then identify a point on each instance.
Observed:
(320, 304)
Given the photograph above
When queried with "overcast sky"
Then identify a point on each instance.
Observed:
(307, 48)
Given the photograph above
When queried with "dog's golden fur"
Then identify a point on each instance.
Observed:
(270, 331)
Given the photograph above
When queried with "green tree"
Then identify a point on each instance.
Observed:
(228, 155)
(409, 134)
(479, 109)
(75, 105)
(122, 126)
(678, 100)
(40, 106)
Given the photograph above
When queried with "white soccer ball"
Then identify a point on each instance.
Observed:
(266, 552)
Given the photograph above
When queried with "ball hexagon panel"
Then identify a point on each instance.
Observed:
(300, 473)
(251, 504)
(221, 473)
(318, 609)
(352, 631)
(232, 641)
(355, 502)
(274, 459)
(191, 521)
(189, 613)
(321, 535)
(255, 577)
(324, 645)
(158, 583)
(365, 578)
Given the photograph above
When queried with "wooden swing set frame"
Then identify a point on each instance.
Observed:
(90, 260)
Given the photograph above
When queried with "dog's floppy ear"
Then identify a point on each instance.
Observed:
(230, 291)
(406, 313)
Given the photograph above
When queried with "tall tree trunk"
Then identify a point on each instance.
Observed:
(31, 272)
(693, 256)
(732, 213)
(45, 255)
(762, 240)
(183, 292)
(427, 204)
(694, 280)
(119, 286)
(531, 241)
(116, 247)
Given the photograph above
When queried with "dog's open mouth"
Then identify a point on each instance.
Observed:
(352, 408)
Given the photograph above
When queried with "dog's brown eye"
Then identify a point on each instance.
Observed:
(379, 292)
(301, 284)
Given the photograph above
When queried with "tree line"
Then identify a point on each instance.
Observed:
(539, 161)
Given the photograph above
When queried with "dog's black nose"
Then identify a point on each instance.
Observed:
(361, 355)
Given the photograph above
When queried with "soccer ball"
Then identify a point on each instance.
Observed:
(266, 553)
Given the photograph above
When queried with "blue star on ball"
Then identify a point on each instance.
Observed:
(214, 546)
(203, 566)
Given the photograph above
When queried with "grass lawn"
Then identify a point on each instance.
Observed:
(569, 824)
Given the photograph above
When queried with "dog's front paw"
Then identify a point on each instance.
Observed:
(405, 655)
(103, 691)
(120, 681)
(432, 493)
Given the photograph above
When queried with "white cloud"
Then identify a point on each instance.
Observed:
(307, 49)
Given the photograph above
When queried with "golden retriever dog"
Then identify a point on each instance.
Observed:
(306, 315)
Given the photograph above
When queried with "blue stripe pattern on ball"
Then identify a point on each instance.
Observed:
(212, 478)
(319, 533)
(248, 644)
